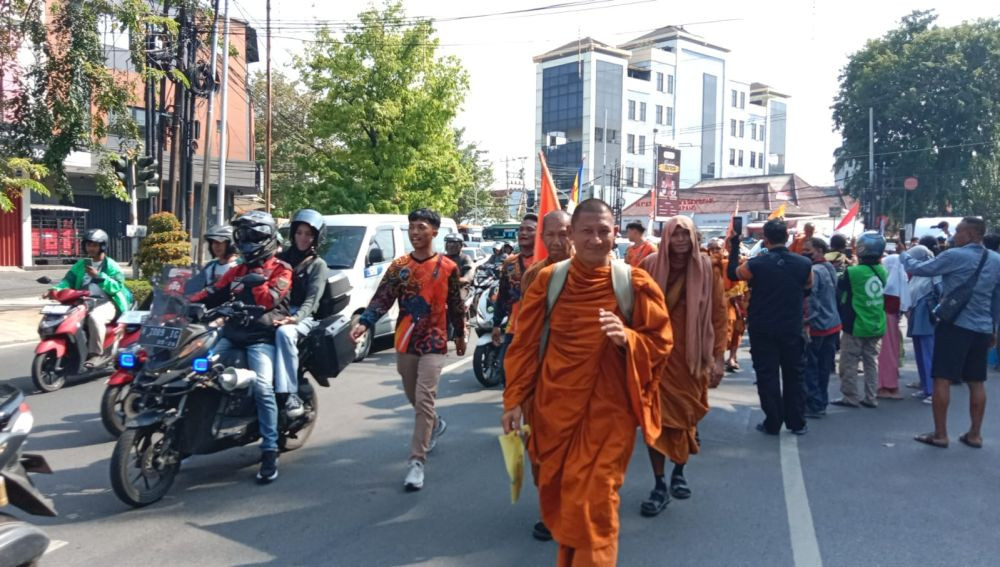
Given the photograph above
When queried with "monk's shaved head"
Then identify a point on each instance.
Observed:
(591, 206)
(556, 218)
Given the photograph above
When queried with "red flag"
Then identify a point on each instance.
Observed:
(548, 201)
(849, 216)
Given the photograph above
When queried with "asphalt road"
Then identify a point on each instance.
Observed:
(863, 492)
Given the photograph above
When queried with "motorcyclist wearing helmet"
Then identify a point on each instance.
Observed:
(103, 278)
(453, 244)
(309, 276)
(860, 293)
(222, 247)
(264, 280)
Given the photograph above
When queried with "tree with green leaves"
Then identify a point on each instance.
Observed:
(936, 112)
(382, 123)
(475, 201)
(67, 99)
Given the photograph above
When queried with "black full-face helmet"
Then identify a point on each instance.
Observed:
(315, 221)
(256, 236)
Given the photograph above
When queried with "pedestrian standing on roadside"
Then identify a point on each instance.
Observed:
(969, 313)
(924, 294)
(640, 248)
(426, 286)
(896, 302)
(778, 284)
(862, 312)
(823, 327)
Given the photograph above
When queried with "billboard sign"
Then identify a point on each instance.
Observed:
(666, 203)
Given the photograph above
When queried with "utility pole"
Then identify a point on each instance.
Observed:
(267, 143)
(175, 200)
(206, 165)
(220, 198)
(871, 166)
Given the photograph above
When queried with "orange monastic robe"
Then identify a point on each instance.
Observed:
(587, 398)
(683, 397)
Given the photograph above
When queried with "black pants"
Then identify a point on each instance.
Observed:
(783, 401)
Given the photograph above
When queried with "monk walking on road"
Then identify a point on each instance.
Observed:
(694, 299)
(589, 383)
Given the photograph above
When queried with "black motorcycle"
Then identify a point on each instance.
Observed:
(20, 542)
(196, 402)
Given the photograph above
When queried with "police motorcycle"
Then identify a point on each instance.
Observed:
(190, 401)
(20, 542)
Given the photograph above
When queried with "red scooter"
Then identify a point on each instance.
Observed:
(62, 352)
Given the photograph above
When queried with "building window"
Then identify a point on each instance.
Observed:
(630, 176)
(732, 156)
(734, 98)
(742, 128)
(670, 84)
(642, 145)
(753, 159)
(659, 114)
(599, 134)
(760, 160)
(739, 162)
(761, 133)
(642, 177)
(642, 112)
(743, 100)
(631, 110)
(732, 127)
(659, 82)
(753, 131)
(630, 145)
(670, 116)
(612, 136)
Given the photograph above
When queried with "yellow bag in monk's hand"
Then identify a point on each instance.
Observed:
(513, 457)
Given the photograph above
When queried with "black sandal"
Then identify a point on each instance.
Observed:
(679, 487)
(657, 502)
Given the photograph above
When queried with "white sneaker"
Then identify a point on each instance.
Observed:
(440, 425)
(414, 476)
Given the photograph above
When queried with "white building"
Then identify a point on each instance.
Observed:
(608, 106)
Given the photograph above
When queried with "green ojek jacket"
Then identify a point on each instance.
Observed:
(111, 280)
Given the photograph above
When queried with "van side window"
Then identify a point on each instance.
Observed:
(383, 240)
(405, 231)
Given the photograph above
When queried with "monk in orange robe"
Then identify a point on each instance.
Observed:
(736, 294)
(597, 382)
(694, 299)
(555, 238)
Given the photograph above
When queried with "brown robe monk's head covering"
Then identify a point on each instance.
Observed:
(699, 334)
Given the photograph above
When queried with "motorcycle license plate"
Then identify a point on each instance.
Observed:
(160, 337)
(133, 317)
(56, 309)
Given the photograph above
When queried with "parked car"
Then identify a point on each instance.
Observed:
(477, 254)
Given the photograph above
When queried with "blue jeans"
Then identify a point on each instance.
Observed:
(260, 359)
(286, 355)
(923, 351)
(819, 355)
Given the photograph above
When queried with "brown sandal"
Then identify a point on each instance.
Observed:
(964, 438)
(929, 439)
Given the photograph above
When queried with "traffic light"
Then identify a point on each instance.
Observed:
(146, 174)
(122, 170)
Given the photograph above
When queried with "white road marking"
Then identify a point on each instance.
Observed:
(805, 548)
(456, 365)
(54, 545)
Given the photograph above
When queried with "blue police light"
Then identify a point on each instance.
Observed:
(126, 360)
(200, 365)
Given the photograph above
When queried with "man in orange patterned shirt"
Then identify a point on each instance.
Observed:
(427, 287)
(640, 248)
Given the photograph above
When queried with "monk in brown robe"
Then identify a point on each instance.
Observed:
(555, 238)
(694, 299)
(597, 382)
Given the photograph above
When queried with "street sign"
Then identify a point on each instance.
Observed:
(135, 231)
(910, 183)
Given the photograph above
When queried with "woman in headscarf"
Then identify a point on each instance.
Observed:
(924, 292)
(897, 301)
(695, 301)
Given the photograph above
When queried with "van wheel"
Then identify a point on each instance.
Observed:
(364, 344)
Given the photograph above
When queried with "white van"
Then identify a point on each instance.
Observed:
(363, 246)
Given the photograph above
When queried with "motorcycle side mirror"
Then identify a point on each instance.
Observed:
(44, 280)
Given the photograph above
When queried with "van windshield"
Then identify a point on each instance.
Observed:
(341, 246)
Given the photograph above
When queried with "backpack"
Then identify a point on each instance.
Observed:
(621, 282)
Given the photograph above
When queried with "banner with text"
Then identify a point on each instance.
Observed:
(666, 203)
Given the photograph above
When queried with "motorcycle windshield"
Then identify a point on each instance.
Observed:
(170, 312)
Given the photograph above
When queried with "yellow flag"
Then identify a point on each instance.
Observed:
(513, 457)
(778, 213)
